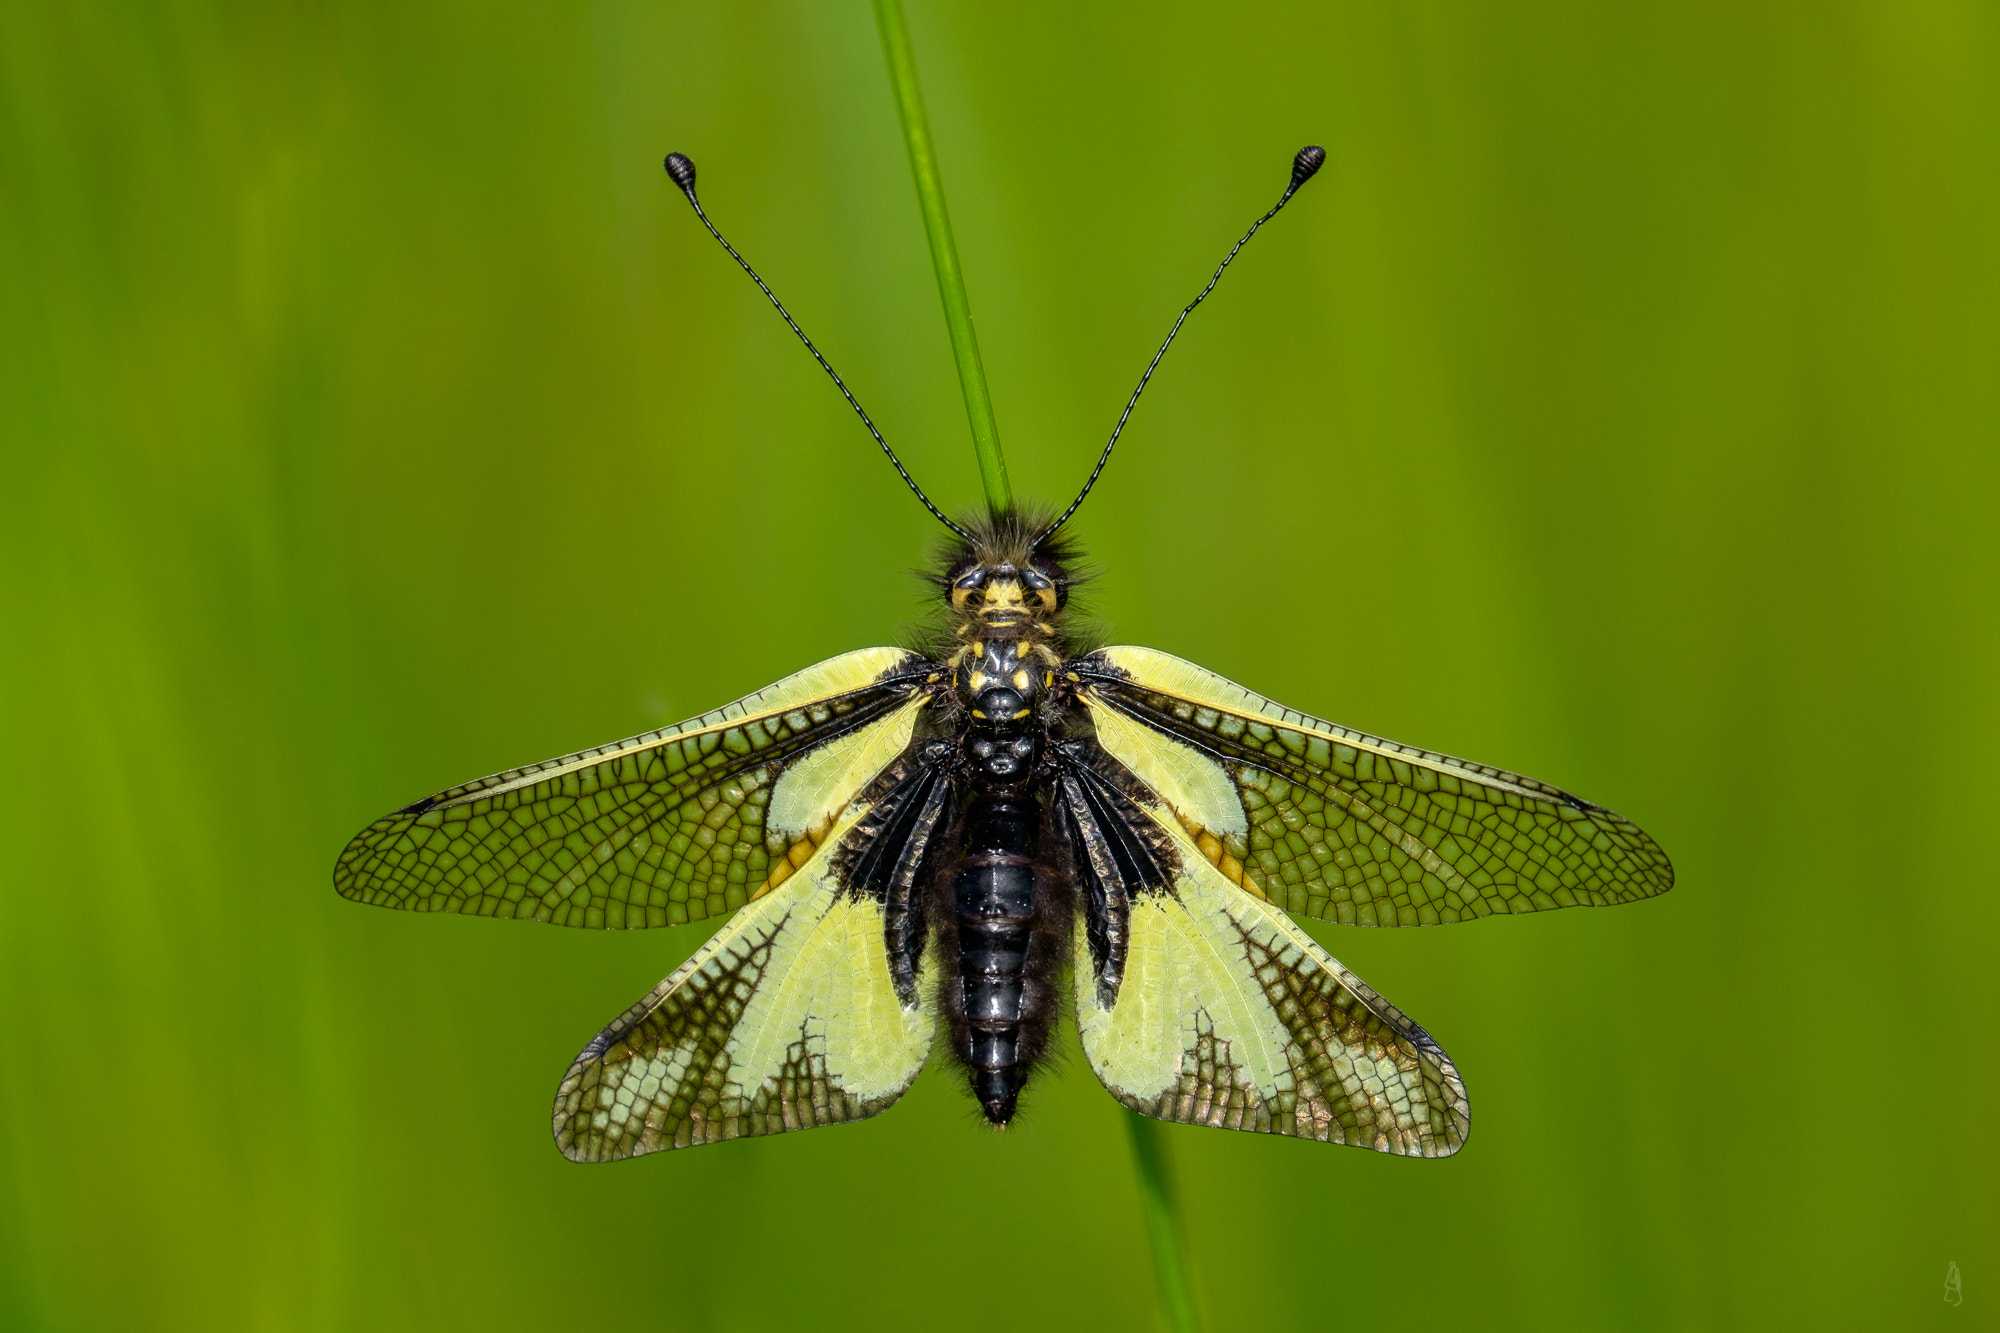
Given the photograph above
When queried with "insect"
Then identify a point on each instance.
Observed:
(1007, 824)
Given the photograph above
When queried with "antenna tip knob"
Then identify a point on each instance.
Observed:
(681, 167)
(1310, 159)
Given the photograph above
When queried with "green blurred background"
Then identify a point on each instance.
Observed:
(1619, 405)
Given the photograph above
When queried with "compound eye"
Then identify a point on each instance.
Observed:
(966, 584)
(1043, 588)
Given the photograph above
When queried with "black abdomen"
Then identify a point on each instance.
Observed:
(1008, 935)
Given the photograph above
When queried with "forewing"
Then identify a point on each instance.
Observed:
(668, 827)
(786, 1019)
(1348, 827)
(1230, 1016)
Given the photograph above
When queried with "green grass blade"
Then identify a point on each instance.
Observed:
(1163, 1223)
(944, 252)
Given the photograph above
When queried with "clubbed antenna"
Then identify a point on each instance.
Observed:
(1307, 161)
(681, 168)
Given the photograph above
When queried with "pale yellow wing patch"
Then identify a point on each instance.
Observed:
(786, 1019)
(1188, 780)
(818, 787)
(1230, 1016)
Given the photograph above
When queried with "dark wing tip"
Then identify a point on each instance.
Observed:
(572, 1122)
(1453, 1142)
(1458, 1110)
(353, 871)
(347, 870)
(1641, 843)
(1635, 838)
(578, 1148)
(1663, 867)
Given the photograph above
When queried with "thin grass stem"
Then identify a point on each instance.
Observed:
(1149, 1147)
(944, 252)
(1163, 1223)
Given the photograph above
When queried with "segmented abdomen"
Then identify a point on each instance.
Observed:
(994, 901)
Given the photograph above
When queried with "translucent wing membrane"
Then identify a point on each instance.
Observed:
(1230, 1016)
(786, 1019)
(673, 826)
(1348, 827)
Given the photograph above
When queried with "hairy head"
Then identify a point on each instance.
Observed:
(1000, 582)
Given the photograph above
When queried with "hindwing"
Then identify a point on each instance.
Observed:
(1347, 827)
(786, 1019)
(1230, 1016)
(668, 827)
